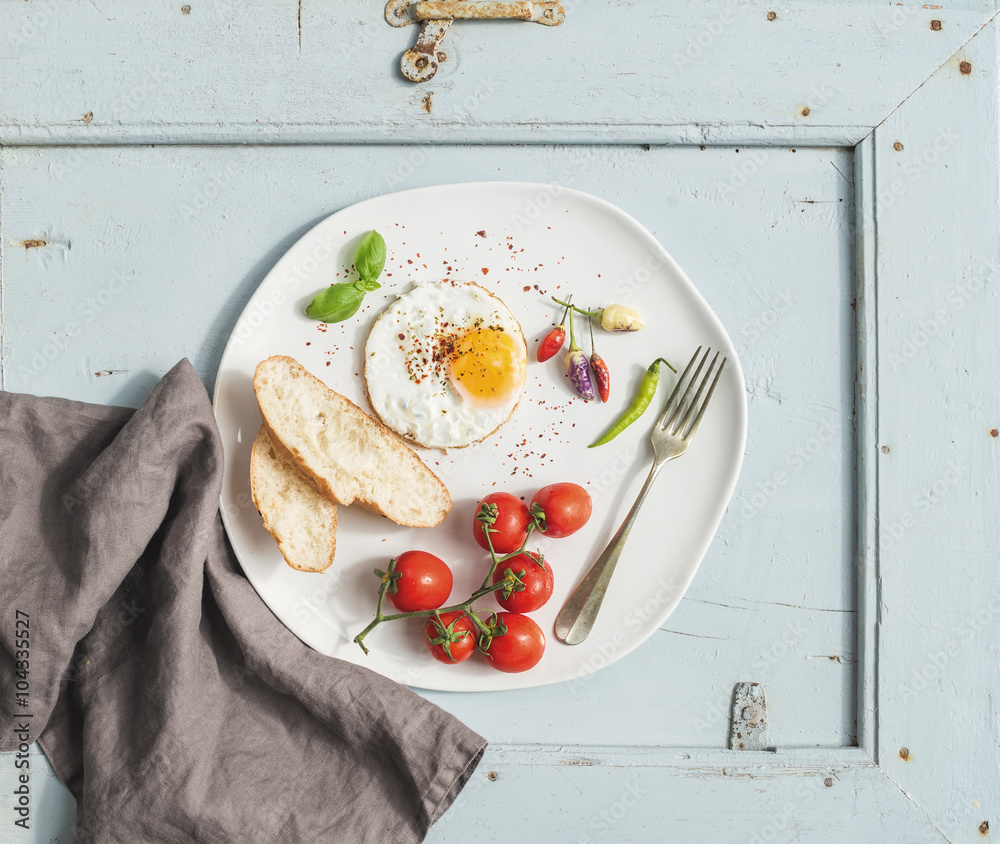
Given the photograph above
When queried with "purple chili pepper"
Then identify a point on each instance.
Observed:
(578, 366)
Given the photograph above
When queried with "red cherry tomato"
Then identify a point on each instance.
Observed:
(567, 508)
(424, 582)
(451, 640)
(519, 648)
(507, 533)
(536, 577)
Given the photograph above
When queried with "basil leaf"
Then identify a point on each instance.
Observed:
(341, 301)
(336, 303)
(370, 258)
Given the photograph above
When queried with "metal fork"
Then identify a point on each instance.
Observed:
(671, 437)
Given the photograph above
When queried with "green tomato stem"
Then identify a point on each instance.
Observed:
(466, 606)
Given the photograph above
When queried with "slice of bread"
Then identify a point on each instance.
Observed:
(302, 522)
(348, 455)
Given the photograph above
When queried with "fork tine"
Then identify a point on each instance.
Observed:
(708, 398)
(671, 423)
(692, 407)
(671, 401)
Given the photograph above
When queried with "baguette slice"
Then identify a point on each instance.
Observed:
(302, 522)
(347, 455)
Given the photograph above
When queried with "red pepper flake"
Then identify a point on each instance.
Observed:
(481, 234)
(408, 261)
(328, 363)
(402, 336)
(485, 270)
(308, 342)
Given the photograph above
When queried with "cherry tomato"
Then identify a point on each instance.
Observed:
(424, 582)
(536, 577)
(519, 648)
(507, 533)
(566, 506)
(451, 640)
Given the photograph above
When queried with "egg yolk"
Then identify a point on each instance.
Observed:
(488, 366)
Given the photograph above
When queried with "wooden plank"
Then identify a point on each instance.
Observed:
(153, 252)
(804, 796)
(645, 71)
(693, 796)
(938, 228)
(866, 445)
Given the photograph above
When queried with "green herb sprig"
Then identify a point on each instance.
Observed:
(341, 301)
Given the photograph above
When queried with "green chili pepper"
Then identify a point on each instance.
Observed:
(644, 395)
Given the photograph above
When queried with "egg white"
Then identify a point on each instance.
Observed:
(399, 354)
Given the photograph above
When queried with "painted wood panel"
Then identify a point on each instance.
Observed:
(302, 70)
(161, 246)
(646, 795)
(939, 410)
(131, 279)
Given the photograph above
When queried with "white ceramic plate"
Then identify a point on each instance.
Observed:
(524, 242)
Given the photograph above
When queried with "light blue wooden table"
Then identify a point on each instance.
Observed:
(827, 175)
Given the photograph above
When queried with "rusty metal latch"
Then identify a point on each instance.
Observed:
(749, 730)
(420, 62)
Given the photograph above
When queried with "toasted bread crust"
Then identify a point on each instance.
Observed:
(335, 483)
(258, 455)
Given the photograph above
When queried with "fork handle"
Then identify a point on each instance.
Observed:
(577, 617)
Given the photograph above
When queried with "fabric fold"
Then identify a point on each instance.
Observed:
(170, 700)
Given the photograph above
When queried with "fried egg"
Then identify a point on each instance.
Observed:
(445, 364)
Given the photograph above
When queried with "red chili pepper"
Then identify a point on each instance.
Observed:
(554, 340)
(601, 373)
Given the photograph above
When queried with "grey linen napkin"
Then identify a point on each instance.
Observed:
(166, 695)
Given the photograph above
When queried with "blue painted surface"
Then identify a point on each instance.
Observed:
(151, 252)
